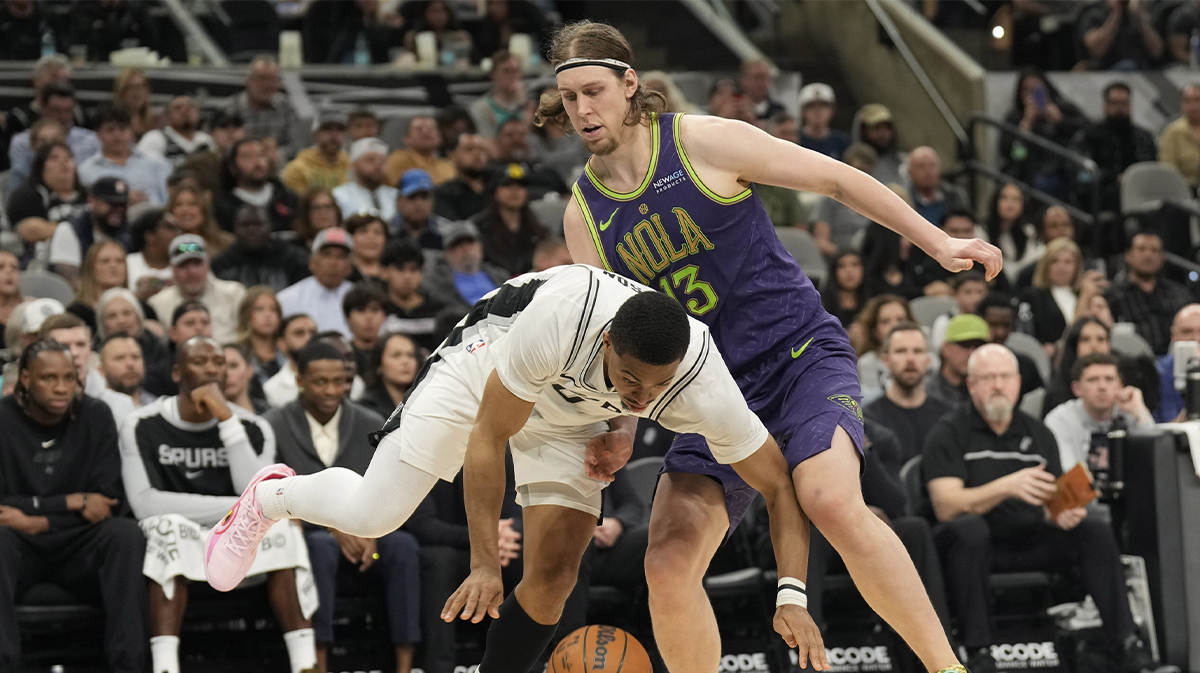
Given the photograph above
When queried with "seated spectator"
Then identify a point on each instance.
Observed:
(616, 556)
(1144, 297)
(149, 269)
(502, 20)
(355, 385)
(816, 110)
(964, 335)
(239, 379)
(463, 196)
(510, 229)
(894, 265)
(195, 282)
(318, 211)
(993, 517)
(410, 309)
(872, 326)
(363, 308)
(505, 100)
(52, 69)
(131, 93)
(969, 289)
(1177, 143)
(415, 220)
(1119, 36)
(56, 102)
(23, 27)
(1182, 22)
(390, 372)
(105, 218)
(320, 295)
(1056, 224)
(123, 368)
(551, 146)
(932, 277)
(512, 147)
(260, 322)
(1086, 336)
(105, 26)
(206, 164)
(905, 407)
(118, 311)
(190, 319)
(69, 330)
(1060, 288)
(1115, 143)
(25, 321)
(873, 125)
(835, 225)
(932, 197)
(146, 174)
(755, 86)
(249, 181)
(103, 269)
(297, 330)
(325, 164)
(437, 17)
(51, 195)
(1039, 109)
(180, 137)
(265, 108)
(999, 311)
(255, 258)
(421, 143)
(10, 289)
(453, 121)
(845, 293)
(370, 235)
(322, 429)
(1185, 327)
(361, 123)
(1009, 230)
(60, 526)
(182, 493)
(459, 275)
(551, 252)
(367, 190)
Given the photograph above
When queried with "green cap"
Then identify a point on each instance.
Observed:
(969, 327)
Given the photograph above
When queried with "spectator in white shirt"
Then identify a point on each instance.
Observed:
(320, 295)
(149, 269)
(368, 190)
(180, 137)
(194, 282)
(146, 174)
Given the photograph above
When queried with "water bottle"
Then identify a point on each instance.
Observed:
(48, 46)
(1025, 318)
(362, 53)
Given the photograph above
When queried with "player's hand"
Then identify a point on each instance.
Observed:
(510, 542)
(370, 554)
(799, 631)
(960, 254)
(98, 507)
(478, 596)
(1069, 518)
(1034, 485)
(607, 453)
(210, 397)
(608, 533)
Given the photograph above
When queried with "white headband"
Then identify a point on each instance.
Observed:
(619, 66)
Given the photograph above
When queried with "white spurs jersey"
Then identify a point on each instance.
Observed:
(543, 335)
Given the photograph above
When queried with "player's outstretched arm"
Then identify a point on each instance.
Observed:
(501, 415)
(767, 472)
(734, 152)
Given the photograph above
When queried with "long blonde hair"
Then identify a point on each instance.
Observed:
(145, 116)
(246, 310)
(215, 239)
(89, 293)
(1041, 274)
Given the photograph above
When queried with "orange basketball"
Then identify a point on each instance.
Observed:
(599, 649)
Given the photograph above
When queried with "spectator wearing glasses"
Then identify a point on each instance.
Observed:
(149, 269)
(321, 294)
(56, 102)
(325, 164)
(248, 180)
(411, 310)
(105, 218)
(318, 211)
(964, 335)
(367, 191)
(180, 137)
(463, 196)
(60, 476)
(755, 85)
(415, 219)
(145, 174)
(257, 259)
(421, 143)
(195, 282)
(263, 106)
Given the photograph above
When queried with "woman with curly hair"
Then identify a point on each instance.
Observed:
(872, 327)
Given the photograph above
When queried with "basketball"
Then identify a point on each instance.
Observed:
(599, 649)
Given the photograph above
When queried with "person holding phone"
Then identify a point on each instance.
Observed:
(1120, 35)
(1038, 109)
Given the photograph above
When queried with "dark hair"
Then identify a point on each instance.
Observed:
(61, 321)
(303, 222)
(1070, 349)
(1020, 240)
(902, 326)
(360, 297)
(651, 327)
(55, 89)
(400, 252)
(248, 211)
(112, 115)
(39, 164)
(1117, 86)
(996, 300)
(289, 319)
(1052, 95)
(185, 308)
(147, 222)
(957, 212)
(373, 378)
(359, 221)
(963, 277)
(313, 351)
(42, 345)
(453, 142)
(1094, 359)
(113, 337)
(829, 292)
(229, 174)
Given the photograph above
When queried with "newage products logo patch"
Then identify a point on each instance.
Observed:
(1015, 656)
(664, 183)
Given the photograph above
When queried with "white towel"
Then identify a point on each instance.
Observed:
(175, 546)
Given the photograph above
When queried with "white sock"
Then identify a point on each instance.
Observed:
(164, 651)
(269, 495)
(302, 649)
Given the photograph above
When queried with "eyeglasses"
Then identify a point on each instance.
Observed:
(188, 247)
(989, 379)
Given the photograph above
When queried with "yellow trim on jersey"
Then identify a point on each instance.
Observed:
(591, 224)
(629, 196)
(687, 165)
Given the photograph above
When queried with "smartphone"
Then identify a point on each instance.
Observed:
(1098, 264)
(1039, 97)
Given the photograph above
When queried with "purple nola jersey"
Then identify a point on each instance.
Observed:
(718, 256)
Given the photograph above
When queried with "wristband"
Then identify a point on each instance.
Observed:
(790, 591)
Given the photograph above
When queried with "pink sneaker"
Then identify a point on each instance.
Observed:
(234, 542)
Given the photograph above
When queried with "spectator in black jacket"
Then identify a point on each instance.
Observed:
(391, 372)
(255, 258)
(464, 196)
(999, 311)
(618, 550)
(60, 484)
(321, 429)
(410, 308)
(1038, 109)
(1115, 143)
(22, 23)
(1145, 298)
(248, 181)
(105, 26)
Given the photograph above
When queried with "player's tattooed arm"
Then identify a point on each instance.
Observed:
(501, 415)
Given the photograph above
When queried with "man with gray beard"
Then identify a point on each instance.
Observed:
(990, 470)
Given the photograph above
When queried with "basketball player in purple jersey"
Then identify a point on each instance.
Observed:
(668, 200)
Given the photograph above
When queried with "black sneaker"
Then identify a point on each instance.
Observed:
(982, 662)
(1138, 659)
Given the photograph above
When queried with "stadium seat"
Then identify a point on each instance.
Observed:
(1032, 402)
(549, 213)
(927, 309)
(1024, 344)
(1146, 186)
(803, 247)
(39, 284)
(1129, 342)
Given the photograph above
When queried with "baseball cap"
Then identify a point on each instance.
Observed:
(512, 174)
(37, 311)
(111, 190)
(967, 327)
(328, 118)
(455, 232)
(817, 92)
(415, 180)
(364, 146)
(332, 236)
(875, 113)
(185, 247)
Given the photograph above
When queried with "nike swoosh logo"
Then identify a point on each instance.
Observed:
(193, 475)
(48, 443)
(798, 353)
(604, 224)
